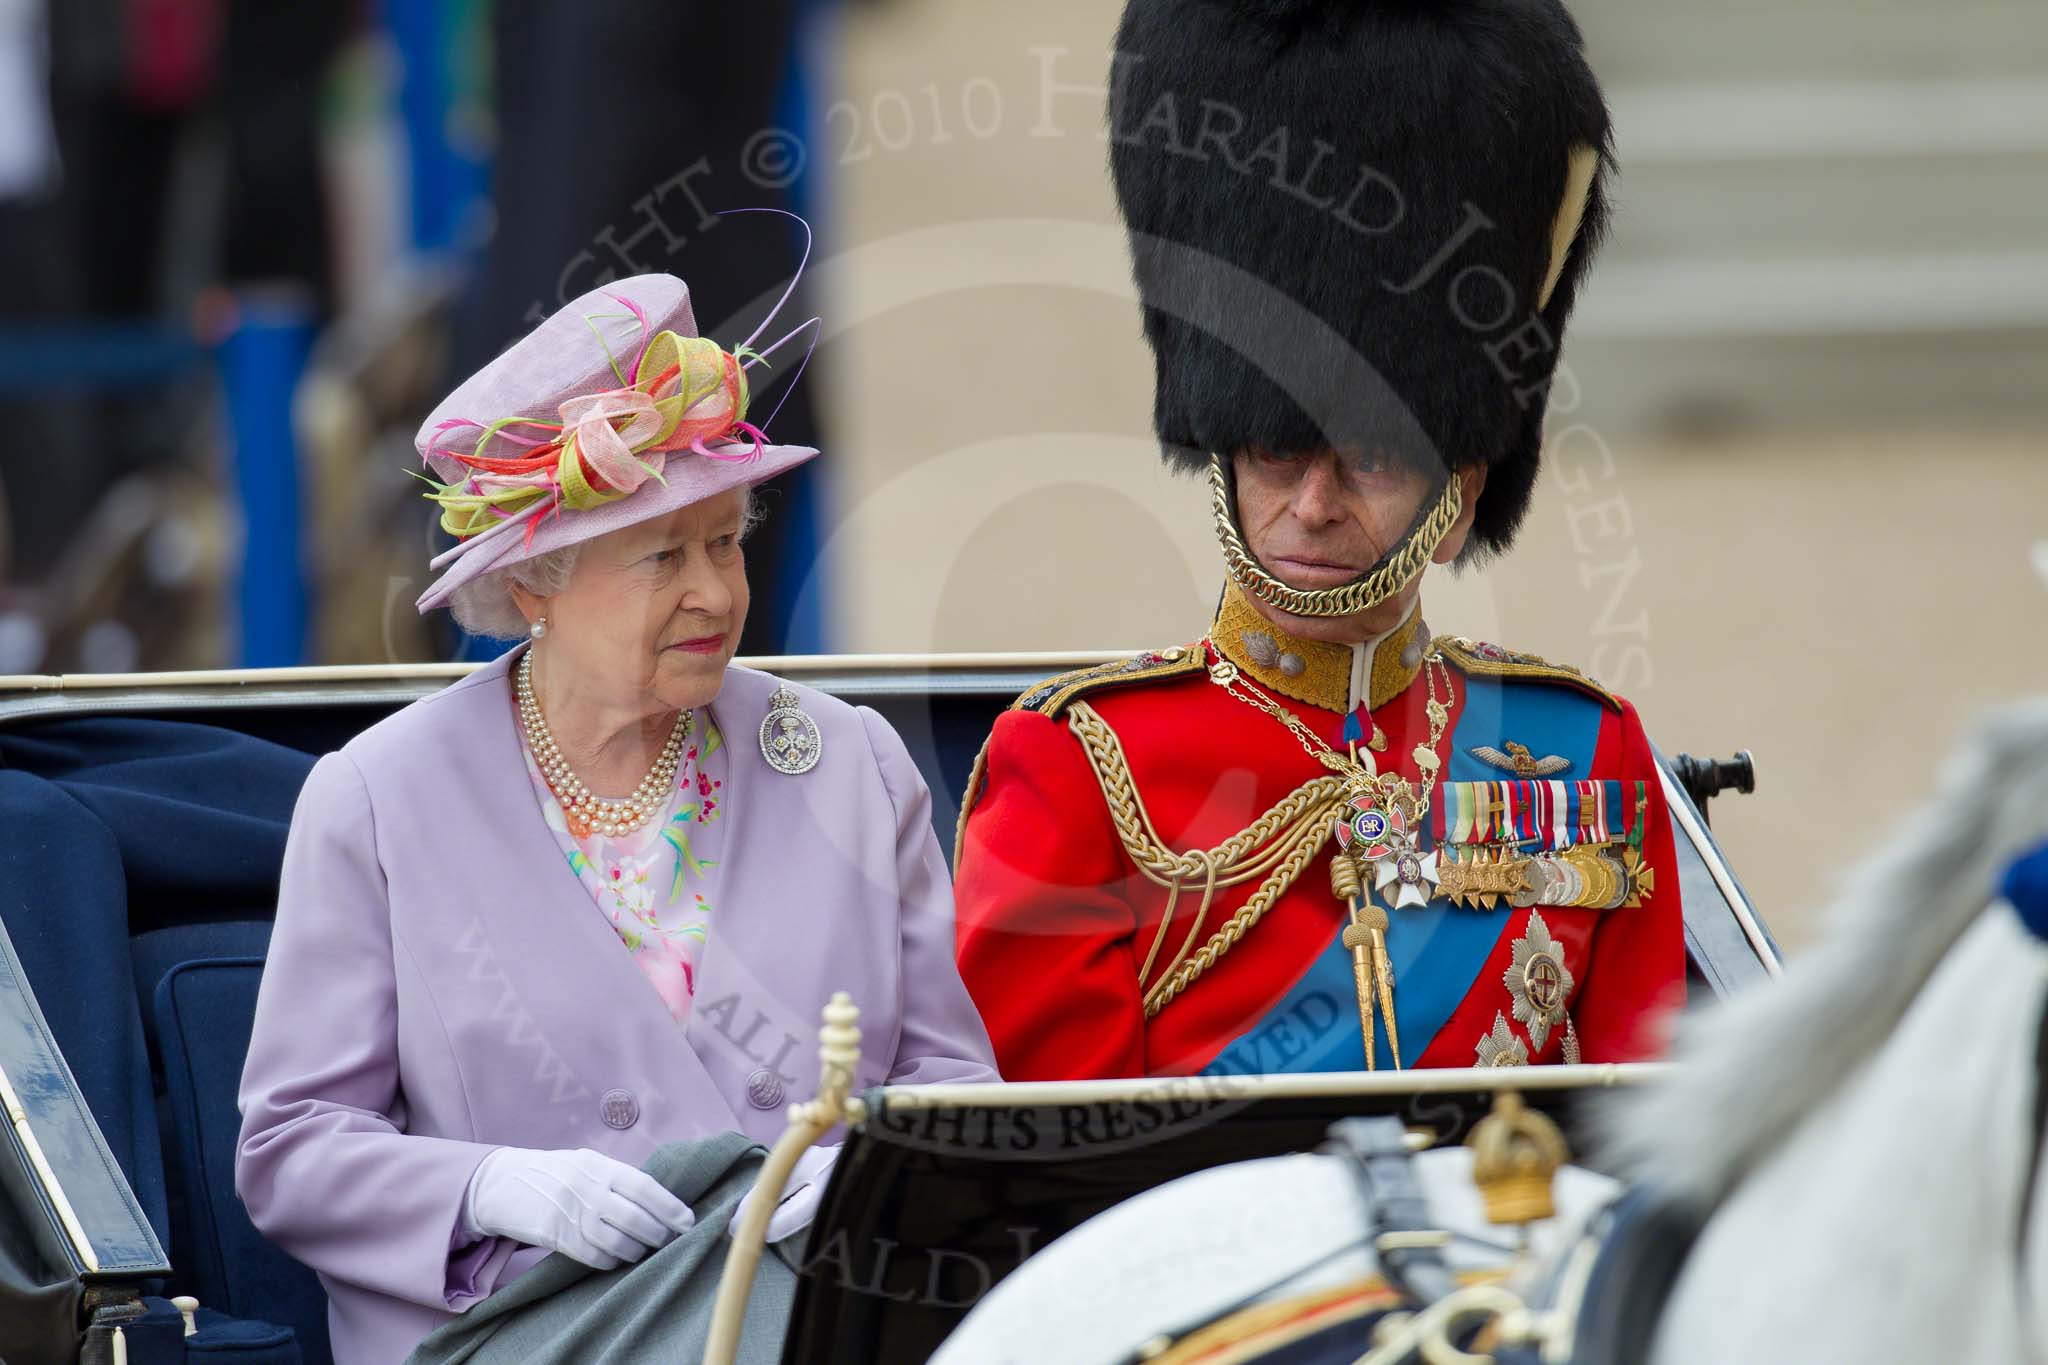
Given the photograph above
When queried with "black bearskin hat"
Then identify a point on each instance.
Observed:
(1359, 224)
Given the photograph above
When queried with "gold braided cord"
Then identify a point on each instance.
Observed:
(977, 778)
(1194, 925)
(1182, 974)
(1275, 847)
(1105, 752)
(1363, 594)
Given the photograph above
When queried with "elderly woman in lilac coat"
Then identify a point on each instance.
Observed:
(590, 899)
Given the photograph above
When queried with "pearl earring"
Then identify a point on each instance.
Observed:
(539, 628)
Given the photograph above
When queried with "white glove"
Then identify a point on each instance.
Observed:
(584, 1204)
(799, 1197)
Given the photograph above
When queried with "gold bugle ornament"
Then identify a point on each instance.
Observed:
(1348, 886)
(1383, 976)
(1358, 940)
(1372, 966)
(1372, 974)
(1346, 882)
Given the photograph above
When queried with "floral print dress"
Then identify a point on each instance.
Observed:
(651, 885)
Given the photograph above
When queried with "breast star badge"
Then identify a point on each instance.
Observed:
(1501, 1047)
(1538, 981)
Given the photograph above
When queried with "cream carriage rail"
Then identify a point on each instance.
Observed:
(1313, 1085)
(838, 1060)
(790, 665)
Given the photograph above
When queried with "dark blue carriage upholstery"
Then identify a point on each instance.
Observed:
(132, 847)
(203, 1008)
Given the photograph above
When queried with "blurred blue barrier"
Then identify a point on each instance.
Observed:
(801, 590)
(449, 179)
(261, 362)
(73, 358)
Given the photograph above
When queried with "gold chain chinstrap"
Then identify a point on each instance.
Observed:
(1368, 592)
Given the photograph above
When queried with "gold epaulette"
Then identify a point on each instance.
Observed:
(1481, 660)
(1052, 697)
(1276, 847)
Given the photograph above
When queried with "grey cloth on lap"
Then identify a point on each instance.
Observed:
(562, 1312)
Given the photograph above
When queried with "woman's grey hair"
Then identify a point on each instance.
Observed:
(484, 606)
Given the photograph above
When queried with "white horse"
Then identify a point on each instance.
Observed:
(1863, 1134)
(1860, 1138)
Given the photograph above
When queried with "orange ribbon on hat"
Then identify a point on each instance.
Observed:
(682, 395)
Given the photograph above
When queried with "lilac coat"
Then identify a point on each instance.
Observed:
(439, 983)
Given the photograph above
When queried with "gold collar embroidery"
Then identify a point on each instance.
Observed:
(1313, 671)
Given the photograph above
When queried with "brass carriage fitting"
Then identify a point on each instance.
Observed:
(1516, 1152)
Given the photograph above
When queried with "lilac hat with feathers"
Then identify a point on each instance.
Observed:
(611, 412)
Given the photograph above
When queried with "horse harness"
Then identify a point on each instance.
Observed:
(1615, 1282)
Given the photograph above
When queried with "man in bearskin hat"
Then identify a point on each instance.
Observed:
(1322, 837)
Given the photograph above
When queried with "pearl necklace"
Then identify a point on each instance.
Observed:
(585, 812)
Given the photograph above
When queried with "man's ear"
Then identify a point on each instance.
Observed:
(1472, 481)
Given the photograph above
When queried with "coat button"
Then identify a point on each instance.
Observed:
(619, 1109)
(764, 1089)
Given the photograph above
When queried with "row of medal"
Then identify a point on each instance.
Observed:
(1605, 876)
(1526, 843)
(1546, 815)
(1534, 843)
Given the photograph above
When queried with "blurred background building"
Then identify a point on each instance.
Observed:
(1794, 475)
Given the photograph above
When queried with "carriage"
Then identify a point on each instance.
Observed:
(146, 817)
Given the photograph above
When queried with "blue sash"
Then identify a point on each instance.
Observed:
(1439, 949)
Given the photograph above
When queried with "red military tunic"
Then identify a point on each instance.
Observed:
(1056, 920)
